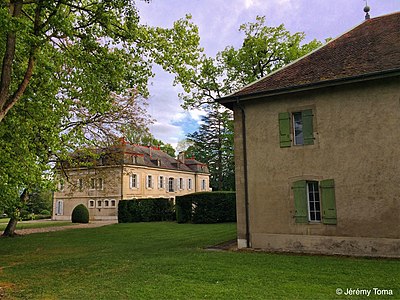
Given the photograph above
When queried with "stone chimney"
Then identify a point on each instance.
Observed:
(181, 157)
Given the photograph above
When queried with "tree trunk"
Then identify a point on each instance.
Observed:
(11, 226)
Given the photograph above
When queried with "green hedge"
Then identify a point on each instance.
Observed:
(80, 214)
(206, 207)
(145, 210)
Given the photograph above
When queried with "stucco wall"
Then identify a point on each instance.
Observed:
(116, 186)
(357, 143)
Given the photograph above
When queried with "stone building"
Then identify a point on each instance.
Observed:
(125, 172)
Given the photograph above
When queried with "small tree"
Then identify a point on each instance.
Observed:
(80, 214)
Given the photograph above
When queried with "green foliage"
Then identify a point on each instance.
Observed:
(264, 50)
(80, 214)
(77, 77)
(213, 145)
(145, 210)
(206, 207)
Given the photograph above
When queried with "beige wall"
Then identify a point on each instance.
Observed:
(357, 143)
(116, 186)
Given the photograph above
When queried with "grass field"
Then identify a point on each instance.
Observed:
(29, 224)
(167, 261)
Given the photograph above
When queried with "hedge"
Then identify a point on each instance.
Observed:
(80, 214)
(206, 207)
(145, 210)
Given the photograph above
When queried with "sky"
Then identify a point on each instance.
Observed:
(219, 21)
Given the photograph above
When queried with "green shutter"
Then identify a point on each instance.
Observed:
(328, 201)
(308, 130)
(284, 130)
(300, 201)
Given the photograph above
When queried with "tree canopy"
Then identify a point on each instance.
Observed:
(74, 72)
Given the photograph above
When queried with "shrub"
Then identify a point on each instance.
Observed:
(80, 214)
(206, 207)
(145, 210)
(45, 212)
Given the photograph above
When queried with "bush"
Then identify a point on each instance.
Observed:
(45, 212)
(145, 210)
(206, 207)
(80, 214)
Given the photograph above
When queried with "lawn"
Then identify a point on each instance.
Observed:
(30, 224)
(167, 261)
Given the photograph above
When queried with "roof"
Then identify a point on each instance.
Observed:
(154, 154)
(369, 50)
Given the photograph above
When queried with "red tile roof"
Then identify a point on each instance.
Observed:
(371, 48)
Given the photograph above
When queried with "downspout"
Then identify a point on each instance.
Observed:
(246, 185)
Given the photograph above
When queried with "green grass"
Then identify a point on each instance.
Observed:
(29, 224)
(167, 261)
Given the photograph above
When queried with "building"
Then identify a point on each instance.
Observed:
(317, 148)
(125, 172)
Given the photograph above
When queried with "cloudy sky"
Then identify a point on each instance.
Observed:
(219, 21)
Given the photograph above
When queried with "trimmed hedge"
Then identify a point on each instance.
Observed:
(145, 210)
(80, 214)
(206, 207)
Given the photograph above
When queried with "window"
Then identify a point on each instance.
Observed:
(189, 183)
(149, 181)
(59, 207)
(180, 184)
(171, 184)
(161, 182)
(99, 183)
(203, 184)
(134, 181)
(113, 203)
(91, 203)
(314, 201)
(106, 203)
(297, 124)
(80, 184)
(96, 183)
(99, 203)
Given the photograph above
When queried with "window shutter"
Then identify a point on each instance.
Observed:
(130, 181)
(308, 130)
(152, 181)
(328, 201)
(137, 181)
(300, 201)
(159, 182)
(284, 130)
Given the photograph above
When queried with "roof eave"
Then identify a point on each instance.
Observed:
(229, 101)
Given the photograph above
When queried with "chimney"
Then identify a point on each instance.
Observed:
(181, 157)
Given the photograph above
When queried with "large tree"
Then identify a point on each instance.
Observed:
(264, 50)
(73, 72)
(213, 143)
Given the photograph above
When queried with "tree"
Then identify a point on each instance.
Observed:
(73, 72)
(264, 50)
(213, 144)
(134, 136)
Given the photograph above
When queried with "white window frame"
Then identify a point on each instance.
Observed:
(113, 203)
(315, 192)
(90, 205)
(59, 208)
(134, 181)
(97, 203)
(161, 182)
(106, 203)
(149, 182)
(171, 183)
(203, 184)
(190, 184)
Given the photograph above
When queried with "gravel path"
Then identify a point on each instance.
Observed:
(59, 228)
